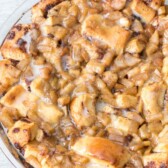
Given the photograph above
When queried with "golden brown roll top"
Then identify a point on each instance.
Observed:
(19, 98)
(16, 45)
(40, 10)
(94, 26)
(153, 99)
(142, 10)
(101, 151)
(83, 110)
(9, 75)
(22, 132)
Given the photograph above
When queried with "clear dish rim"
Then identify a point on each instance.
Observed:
(5, 146)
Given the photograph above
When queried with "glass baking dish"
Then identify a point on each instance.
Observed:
(21, 15)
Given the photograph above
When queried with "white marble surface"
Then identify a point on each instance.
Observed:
(6, 9)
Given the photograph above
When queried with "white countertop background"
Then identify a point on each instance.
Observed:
(6, 9)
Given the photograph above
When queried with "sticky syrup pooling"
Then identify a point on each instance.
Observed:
(88, 88)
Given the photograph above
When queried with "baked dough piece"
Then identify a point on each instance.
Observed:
(49, 112)
(103, 151)
(146, 13)
(14, 46)
(155, 4)
(153, 98)
(115, 37)
(165, 69)
(161, 23)
(162, 143)
(42, 89)
(37, 154)
(17, 97)
(83, 110)
(126, 101)
(40, 10)
(101, 66)
(9, 75)
(38, 87)
(89, 48)
(156, 160)
(118, 4)
(47, 154)
(125, 125)
(22, 132)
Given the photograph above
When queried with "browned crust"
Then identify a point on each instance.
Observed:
(9, 75)
(11, 48)
(102, 149)
(45, 6)
(144, 11)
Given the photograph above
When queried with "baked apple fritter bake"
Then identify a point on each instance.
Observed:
(85, 85)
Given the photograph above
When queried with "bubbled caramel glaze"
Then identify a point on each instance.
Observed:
(85, 84)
